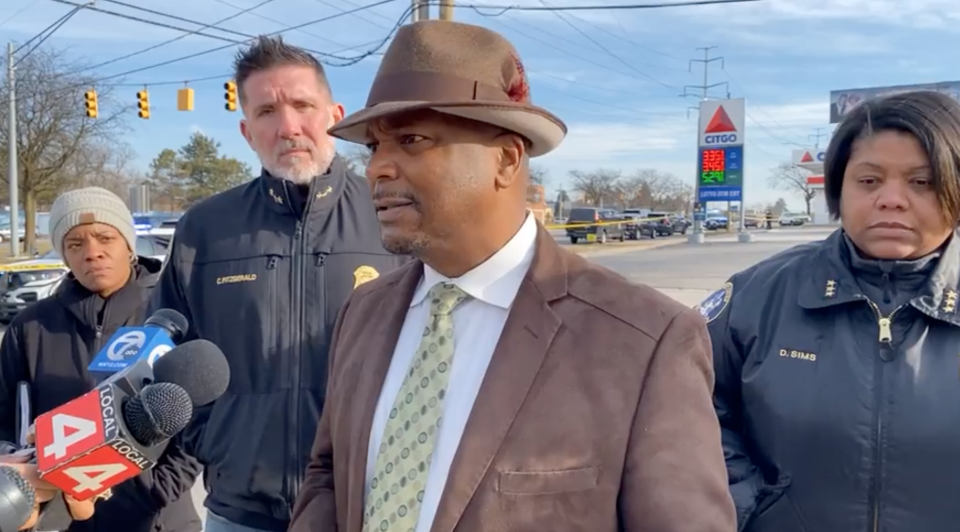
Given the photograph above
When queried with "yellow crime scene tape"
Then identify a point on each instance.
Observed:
(9, 268)
(613, 222)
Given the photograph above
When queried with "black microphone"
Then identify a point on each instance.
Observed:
(159, 412)
(171, 321)
(17, 498)
(200, 368)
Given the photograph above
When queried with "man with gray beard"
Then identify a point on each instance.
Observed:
(262, 270)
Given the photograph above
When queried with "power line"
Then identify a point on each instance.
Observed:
(45, 34)
(188, 31)
(601, 7)
(607, 50)
(351, 61)
(17, 12)
(816, 136)
(553, 46)
(169, 41)
(377, 45)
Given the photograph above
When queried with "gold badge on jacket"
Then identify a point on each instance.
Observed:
(364, 274)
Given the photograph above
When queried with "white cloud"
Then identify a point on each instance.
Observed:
(594, 144)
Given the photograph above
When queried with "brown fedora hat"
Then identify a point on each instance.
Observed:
(457, 69)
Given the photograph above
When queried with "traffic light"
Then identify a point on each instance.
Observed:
(143, 103)
(185, 99)
(230, 96)
(91, 97)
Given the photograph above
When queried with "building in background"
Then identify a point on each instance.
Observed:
(139, 200)
(811, 160)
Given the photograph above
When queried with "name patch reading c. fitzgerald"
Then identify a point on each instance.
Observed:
(713, 306)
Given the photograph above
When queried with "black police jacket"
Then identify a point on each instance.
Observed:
(265, 284)
(49, 345)
(839, 403)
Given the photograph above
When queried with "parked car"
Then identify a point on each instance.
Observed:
(793, 219)
(716, 222)
(639, 223)
(668, 223)
(592, 224)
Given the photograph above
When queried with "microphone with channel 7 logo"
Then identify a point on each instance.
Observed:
(122, 427)
(159, 334)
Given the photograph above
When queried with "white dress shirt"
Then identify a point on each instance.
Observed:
(477, 325)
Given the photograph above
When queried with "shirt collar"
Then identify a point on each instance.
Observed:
(496, 280)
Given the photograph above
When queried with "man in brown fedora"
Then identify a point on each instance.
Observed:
(499, 383)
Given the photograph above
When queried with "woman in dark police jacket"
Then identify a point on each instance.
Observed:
(51, 343)
(838, 362)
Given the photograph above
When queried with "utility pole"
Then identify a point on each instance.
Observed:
(816, 137)
(446, 9)
(704, 89)
(12, 171)
(421, 10)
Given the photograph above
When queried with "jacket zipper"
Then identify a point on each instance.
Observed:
(297, 297)
(97, 338)
(885, 337)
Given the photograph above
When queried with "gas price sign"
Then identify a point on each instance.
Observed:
(721, 167)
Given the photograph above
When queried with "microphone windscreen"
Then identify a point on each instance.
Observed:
(17, 498)
(172, 321)
(197, 366)
(157, 413)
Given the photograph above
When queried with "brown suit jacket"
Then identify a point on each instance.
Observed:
(595, 414)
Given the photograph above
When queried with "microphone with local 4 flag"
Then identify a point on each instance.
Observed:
(159, 334)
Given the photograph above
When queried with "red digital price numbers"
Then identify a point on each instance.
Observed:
(713, 167)
(714, 161)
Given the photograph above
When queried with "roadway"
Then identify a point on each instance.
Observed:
(687, 273)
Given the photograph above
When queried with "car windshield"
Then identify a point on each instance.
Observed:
(15, 280)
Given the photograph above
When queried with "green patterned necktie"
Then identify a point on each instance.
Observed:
(396, 490)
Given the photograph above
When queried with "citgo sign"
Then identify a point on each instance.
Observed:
(722, 123)
(726, 138)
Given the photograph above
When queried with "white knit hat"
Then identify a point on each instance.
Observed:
(86, 206)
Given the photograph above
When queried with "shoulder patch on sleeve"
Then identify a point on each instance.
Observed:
(713, 306)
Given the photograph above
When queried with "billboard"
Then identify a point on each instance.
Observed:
(843, 101)
(722, 123)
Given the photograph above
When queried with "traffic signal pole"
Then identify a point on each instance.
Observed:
(12, 171)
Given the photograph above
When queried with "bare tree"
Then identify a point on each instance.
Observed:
(660, 191)
(357, 157)
(790, 178)
(105, 167)
(538, 175)
(52, 126)
(596, 186)
(630, 192)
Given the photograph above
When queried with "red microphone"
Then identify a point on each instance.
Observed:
(111, 434)
(82, 447)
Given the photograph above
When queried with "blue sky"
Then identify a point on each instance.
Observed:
(613, 76)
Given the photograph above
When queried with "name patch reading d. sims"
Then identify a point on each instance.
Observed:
(246, 278)
(798, 355)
